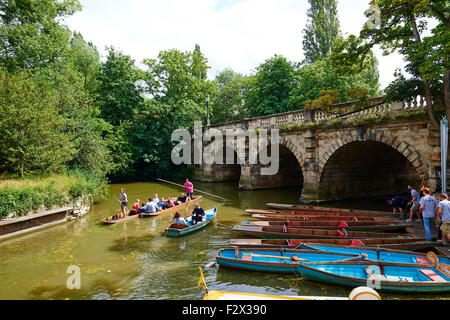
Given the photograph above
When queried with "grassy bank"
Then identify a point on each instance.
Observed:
(19, 197)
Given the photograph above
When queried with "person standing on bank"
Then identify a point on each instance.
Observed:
(124, 202)
(415, 205)
(189, 189)
(428, 208)
(398, 204)
(444, 216)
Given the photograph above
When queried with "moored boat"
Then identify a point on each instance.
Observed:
(287, 261)
(177, 230)
(384, 277)
(291, 207)
(301, 217)
(283, 232)
(318, 213)
(398, 244)
(333, 225)
(360, 293)
(275, 261)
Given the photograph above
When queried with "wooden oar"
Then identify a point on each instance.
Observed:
(179, 185)
(293, 258)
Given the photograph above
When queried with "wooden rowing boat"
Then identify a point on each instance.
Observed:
(174, 209)
(274, 261)
(392, 278)
(398, 244)
(333, 225)
(288, 261)
(298, 217)
(282, 232)
(177, 230)
(111, 220)
(318, 213)
(296, 207)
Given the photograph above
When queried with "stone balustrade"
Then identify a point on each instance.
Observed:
(343, 110)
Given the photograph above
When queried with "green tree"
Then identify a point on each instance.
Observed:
(321, 30)
(229, 102)
(404, 26)
(119, 95)
(31, 35)
(32, 131)
(86, 61)
(269, 88)
(311, 80)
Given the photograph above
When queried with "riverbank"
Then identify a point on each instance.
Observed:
(38, 202)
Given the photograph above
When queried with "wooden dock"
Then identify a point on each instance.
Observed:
(14, 227)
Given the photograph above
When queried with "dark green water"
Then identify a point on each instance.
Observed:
(135, 260)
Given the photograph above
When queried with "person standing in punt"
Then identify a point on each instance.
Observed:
(189, 189)
(444, 216)
(124, 202)
(428, 208)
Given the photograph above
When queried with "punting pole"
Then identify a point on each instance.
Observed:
(179, 185)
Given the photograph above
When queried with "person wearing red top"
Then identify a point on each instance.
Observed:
(189, 189)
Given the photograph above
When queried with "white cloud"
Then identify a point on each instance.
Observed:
(239, 34)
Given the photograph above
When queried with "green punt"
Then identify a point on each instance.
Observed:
(176, 230)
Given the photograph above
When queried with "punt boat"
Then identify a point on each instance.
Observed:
(383, 277)
(333, 225)
(113, 220)
(291, 207)
(283, 232)
(319, 213)
(396, 244)
(179, 230)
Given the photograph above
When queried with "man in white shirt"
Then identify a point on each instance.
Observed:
(151, 206)
(156, 199)
(428, 208)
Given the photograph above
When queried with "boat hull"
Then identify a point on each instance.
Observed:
(317, 274)
(176, 233)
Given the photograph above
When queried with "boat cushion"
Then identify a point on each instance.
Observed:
(247, 257)
(432, 275)
(357, 243)
(423, 260)
(343, 224)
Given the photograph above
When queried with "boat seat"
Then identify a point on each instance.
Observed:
(433, 276)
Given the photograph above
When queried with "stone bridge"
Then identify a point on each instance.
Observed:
(347, 152)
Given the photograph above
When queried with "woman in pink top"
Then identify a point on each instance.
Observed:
(189, 189)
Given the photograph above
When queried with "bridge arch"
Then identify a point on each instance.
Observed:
(368, 164)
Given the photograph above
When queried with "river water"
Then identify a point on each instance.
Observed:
(135, 260)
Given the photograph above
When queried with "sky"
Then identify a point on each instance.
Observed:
(236, 34)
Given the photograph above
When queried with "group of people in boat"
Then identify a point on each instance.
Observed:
(425, 207)
(155, 204)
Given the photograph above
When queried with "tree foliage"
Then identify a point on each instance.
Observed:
(405, 27)
(321, 30)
